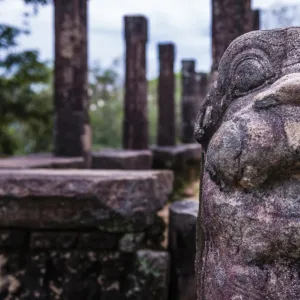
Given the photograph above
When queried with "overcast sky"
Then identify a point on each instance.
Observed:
(184, 22)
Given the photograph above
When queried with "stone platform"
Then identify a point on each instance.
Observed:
(42, 160)
(122, 159)
(83, 234)
(184, 160)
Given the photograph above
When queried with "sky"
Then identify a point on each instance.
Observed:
(183, 22)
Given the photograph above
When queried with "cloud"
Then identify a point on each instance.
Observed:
(184, 22)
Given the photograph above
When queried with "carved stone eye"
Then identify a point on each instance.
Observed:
(248, 75)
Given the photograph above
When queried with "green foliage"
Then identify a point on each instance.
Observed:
(26, 98)
(106, 106)
(26, 105)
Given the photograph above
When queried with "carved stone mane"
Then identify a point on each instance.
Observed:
(249, 127)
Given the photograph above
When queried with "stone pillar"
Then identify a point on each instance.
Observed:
(256, 19)
(72, 136)
(135, 127)
(166, 131)
(182, 247)
(189, 101)
(201, 87)
(230, 19)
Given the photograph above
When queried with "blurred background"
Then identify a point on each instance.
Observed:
(27, 52)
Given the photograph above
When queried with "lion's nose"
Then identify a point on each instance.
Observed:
(285, 90)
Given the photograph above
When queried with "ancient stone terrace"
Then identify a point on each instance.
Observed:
(83, 234)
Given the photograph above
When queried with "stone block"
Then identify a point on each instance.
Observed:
(13, 238)
(149, 278)
(184, 160)
(179, 155)
(43, 160)
(57, 240)
(182, 247)
(122, 159)
(112, 201)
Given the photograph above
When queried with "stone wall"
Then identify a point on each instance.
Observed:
(82, 234)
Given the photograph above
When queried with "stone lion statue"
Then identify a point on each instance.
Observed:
(249, 127)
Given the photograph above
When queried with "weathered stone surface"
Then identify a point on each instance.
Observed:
(44, 160)
(57, 240)
(151, 238)
(135, 127)
(249, 128)
(62, 275)
(78, 275)
(166, 125)
(13, 238)
(116, 201)
(150, 276)
(85, 275)
(122, 159)
(72, 133)
(182, 248)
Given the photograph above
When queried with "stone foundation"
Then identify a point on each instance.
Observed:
(82, 234)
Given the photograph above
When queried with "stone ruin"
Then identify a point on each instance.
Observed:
(83, 234)
(248, 239)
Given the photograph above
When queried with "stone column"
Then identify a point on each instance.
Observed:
(256, 19)
(201, 87)
(72, 136)
(135, 127)
(230, 19)
(189, 101)
(166, 131)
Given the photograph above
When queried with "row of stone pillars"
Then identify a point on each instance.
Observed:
(194, 86)
(72, 134)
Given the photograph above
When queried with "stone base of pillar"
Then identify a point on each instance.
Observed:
(42, 160)
(182, 248)
(122, 159)
(184, 160)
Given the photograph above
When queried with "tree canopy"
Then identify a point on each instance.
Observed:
(25, 105)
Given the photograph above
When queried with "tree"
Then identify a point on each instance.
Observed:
(106, 106)
(25, 98)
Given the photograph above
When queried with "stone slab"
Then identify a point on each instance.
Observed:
(176, 155)
(114, 201)
(122, 159)
(41, 160)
